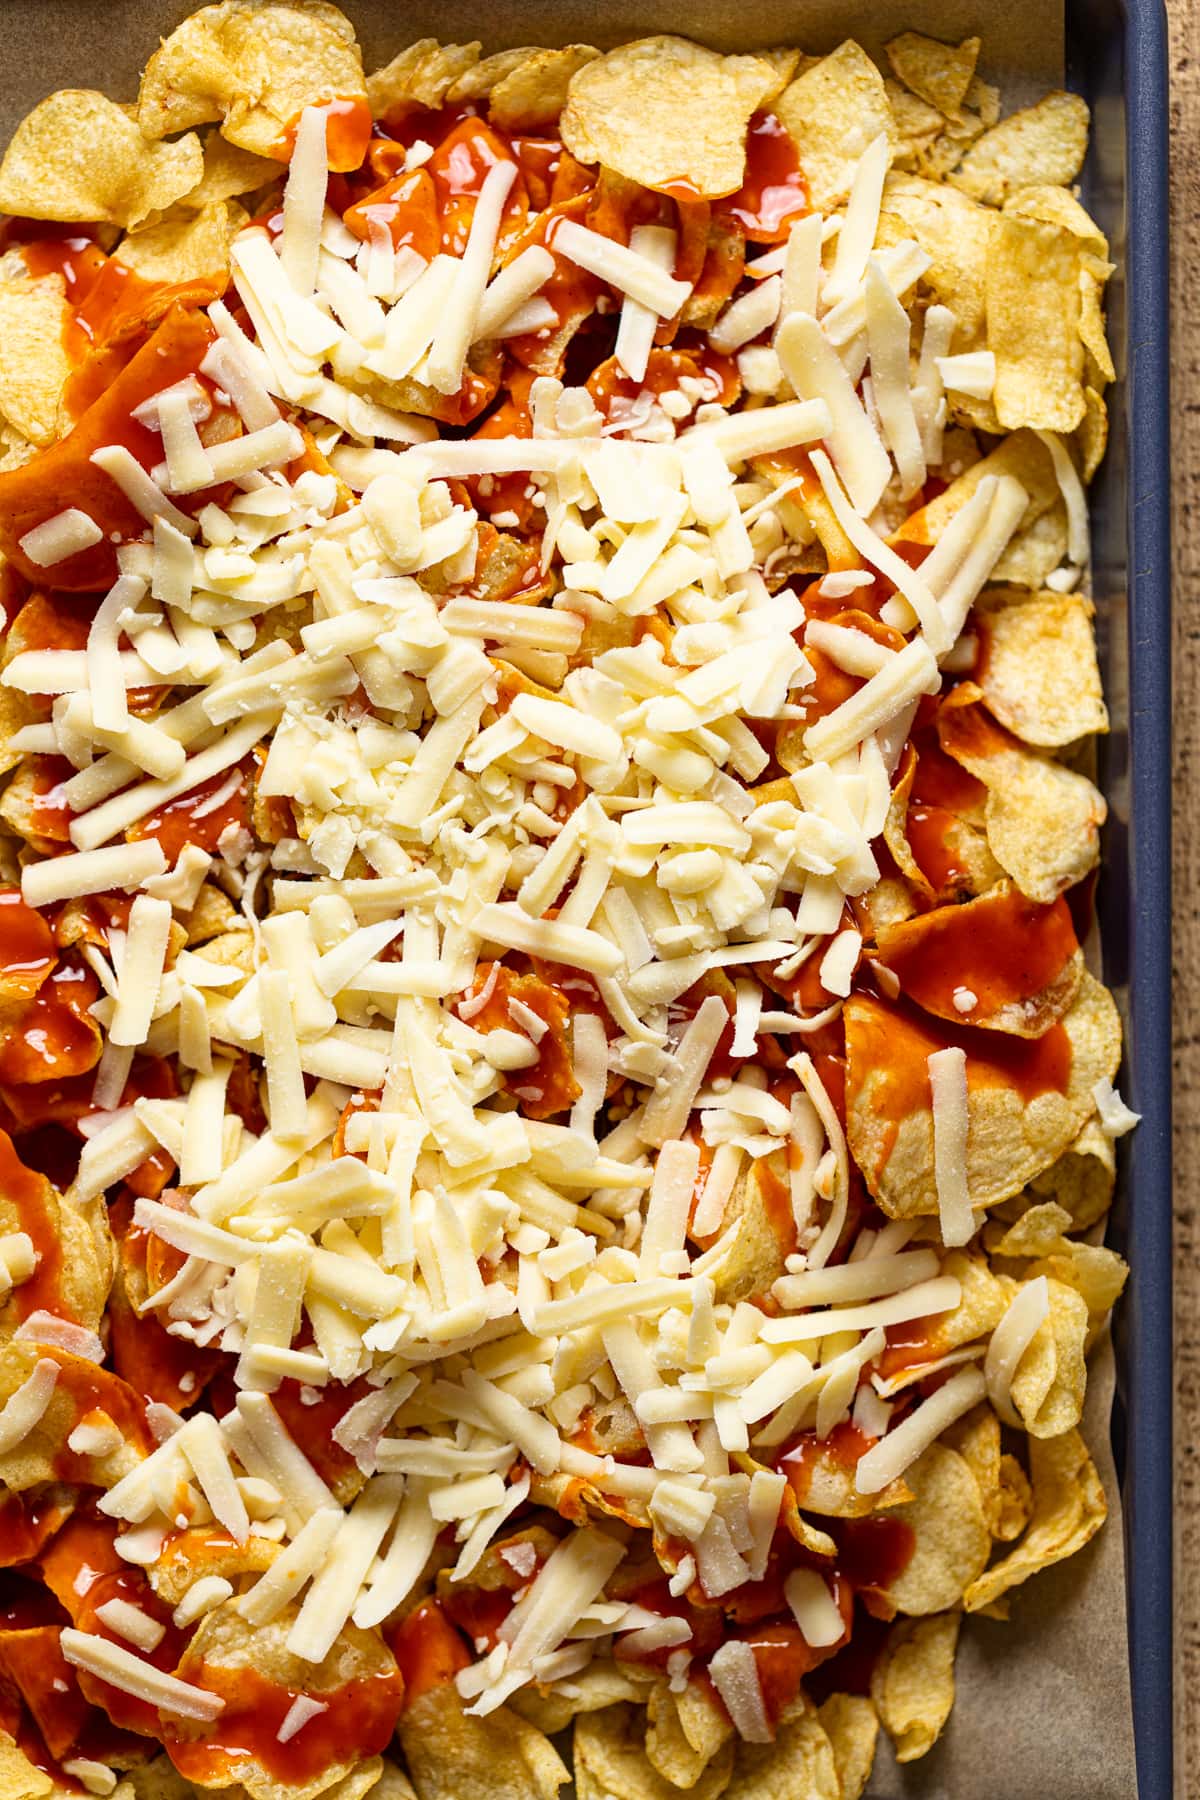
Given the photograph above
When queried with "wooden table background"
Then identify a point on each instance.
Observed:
(1185, 299)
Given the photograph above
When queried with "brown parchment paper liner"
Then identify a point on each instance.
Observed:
(1043, 1709)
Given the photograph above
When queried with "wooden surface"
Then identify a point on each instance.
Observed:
(1185, 261)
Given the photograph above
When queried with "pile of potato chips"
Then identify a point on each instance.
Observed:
(995, 778)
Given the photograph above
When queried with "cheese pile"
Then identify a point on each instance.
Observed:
(539, 779)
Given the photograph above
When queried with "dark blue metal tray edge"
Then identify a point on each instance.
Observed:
(1117, 57)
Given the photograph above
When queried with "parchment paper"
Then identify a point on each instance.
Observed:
(1043, 1709)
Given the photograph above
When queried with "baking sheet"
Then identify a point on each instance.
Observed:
(1043, 1700)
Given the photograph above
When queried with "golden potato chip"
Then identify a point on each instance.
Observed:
(34, 365)
(1037, 667)
(532, 95)
(188, 249)
(680, 1745)
(19, 1778)
(423, 75)
(1068, 1509)
(955, 232)
(1026, 1098)
(832, 112)
(949, 147)
(799, 1765)
(477, 82)
(159, 1780)
(452, 1755)
(1092, 435)
(951, 1540)
(913, 1683)
(74, 1283)
(756, 1255)
(1033, 552)
(1051, 1378)
(1093, 275)
(1095, 1272)
(938, 73)
(917, 125)
(1037, 1232)
(225, 1646)
(611, 1761)
(1023, 456)
(976, 1438)
(1043, 144)
(1033, 324)
(851, 1724)
(1058, 206)
(1015, 1506)
(1083, 1178)
(667, 113)
(229, 173)
(255, 65)
(826, 1487)
(1043, 820)
(79, 157)
(42, 1454)
(15, 448)
(603, 1683)
(188, 1555)
(212, 915)
(1025, 979)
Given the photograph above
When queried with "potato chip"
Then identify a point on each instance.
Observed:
(937, 73)
(1023, 456)
(76, 1281)
(1033, 324)
(603, 1683)
(667, 113)
(851, 1724)
(1038, 1232)
(532, 95)
(1068, 1509)
(913, 1683)
(1093, 275)
(756, 1255)
(611, 1762)
(1037, 667)
(1092, 436)
(483, 76)
(1026, 1098)
(825, 1486)
(15, 448)
(189, 249)
(955, 233)
(1095, 1272)
(204, 1550)
(917, 125)
(19, 1778)
(42, 1455)
(1025, 979)
(452, 1755)
(832, 112)
(1083, 1178)
(159, 1780)
(951, 1540)
(1058, 206)
(799, 1765)
(255, 65)
(1045, 143)
(1051, 1378)
(79, 157)
(425, 74)
(225, 1645)
(229, 173)
(34, 365)
(1034, 552)
(683, 1736)
(1043, 820)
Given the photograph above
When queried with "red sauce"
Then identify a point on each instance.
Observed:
(143, 1352)
(312, 1426)
(32, 1661)
(843, 1447)
(348, 128)
(874, 1552)
(1005, 949)
(547, 1086)
(81, 1555)
(55, 1036)
(33, 493)
(28, 1521)
(782, 1658)
(407, 205)
(774, 191)
(428, 1649)
(608, 383)
(459, 167)
(198, 817)
(479, 1612)
(892, 1044)
(131, 1585)
(358, 1721)
(27, 952)
(570, 291)
(94, 1389)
